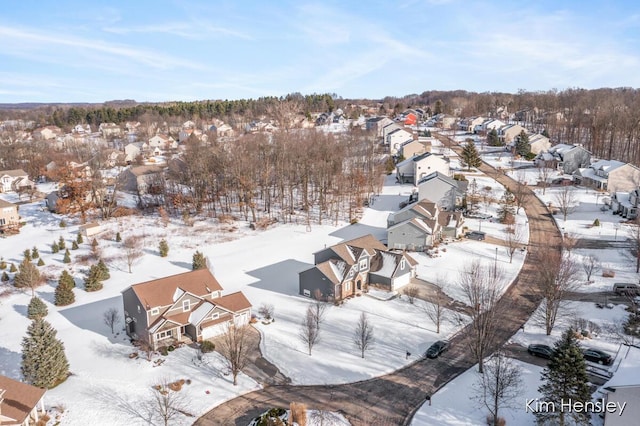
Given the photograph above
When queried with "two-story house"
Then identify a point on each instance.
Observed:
(626, 203)
(415, 168)
(443, 190)
(349, 268)
(187, 306)
(566, 158)
(610, 175)
(508, 133)
(14, 180)
(9, 217)
(396, 138)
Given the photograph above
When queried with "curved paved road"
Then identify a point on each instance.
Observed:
(393, 399)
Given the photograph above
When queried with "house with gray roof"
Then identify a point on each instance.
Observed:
(415, 168)
(564, 157)
(609, 175)
(14, 180)
(443, 190)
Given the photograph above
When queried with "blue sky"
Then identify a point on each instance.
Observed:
(84, 51)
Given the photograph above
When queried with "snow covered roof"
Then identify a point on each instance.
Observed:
(418, 223)
(606, 165)
(333, 269)
(388, 265)
(628, 372)
(200, 312)
(346, 252)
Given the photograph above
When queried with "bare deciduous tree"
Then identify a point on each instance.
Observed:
(167, 404)
(111, 318)
(558, 277)
(132, 250)
(481, 287)
(521, 192)
(411, 291)
(266, 311)
(320, 312)
(566, 201)
(514, 240)
(590, 264)
(544, 173)
(363, 334)
(234, 347)
(434, 308)
(309, 330)
(499, 385)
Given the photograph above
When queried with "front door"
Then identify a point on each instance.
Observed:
(359, 285)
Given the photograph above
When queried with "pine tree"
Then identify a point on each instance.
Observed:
(506, 211)
(493, 139)
(27, 254)
(470, 156)
(64, 291)
(67, 256)
(545, 133)
(13, 268)
(565, 378)
(28, 276)
(54, 247)
(3, 264)
(118, 237)
(61, 243)
(34, 253)
(163, 247)
(74, 245)
(103, 272)
(93, 282)
(79, 239)
(36, 309)
(44, 363)
(199, 262)
(5, 277)
(40, 262)
(522, 147)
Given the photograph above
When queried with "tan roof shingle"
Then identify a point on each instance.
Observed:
(19, 399)
(160, 292)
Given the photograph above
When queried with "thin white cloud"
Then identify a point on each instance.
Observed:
(191, 30)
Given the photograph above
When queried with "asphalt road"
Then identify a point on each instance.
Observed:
(393, 399)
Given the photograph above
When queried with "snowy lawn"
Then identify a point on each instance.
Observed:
(455, 405)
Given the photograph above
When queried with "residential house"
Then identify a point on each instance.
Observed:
(415, 168)
(133, 150)
(162, 142)
(141, 179)
(349, 268)
(187, 306)
(14, 180)
(376, 124)
(539, 143)
(469, 124)
(46, 133)
(20, 404)
(447, 121)
(508, 133)
(184, 134)
(446, 192)
(388, 129)
(626, 203)
(109, 130)
(489, 124)
(9, 217)
(89, 230)
(82, 128)
(564, 157)
(414, 147)
(610, 175)
(396, 138)
(624, 388)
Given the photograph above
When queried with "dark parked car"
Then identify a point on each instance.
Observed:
(543, 351)
(475, 235)
(598, 356)
(437, 348)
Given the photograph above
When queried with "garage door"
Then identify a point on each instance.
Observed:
(401, 281)
(213, 331)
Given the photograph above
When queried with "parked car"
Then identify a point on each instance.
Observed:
(542, 351)
(437, 348)
(596, 355)
(475, 235)
(626, 289)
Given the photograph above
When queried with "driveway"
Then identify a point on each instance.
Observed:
(393, 399)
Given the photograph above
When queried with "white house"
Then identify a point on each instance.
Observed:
(13, 180)
(624, 388)
(396, 138)
(415, 168)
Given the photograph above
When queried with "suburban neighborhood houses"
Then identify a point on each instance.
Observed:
(234, 265)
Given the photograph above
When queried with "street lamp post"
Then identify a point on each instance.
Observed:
(495, 265)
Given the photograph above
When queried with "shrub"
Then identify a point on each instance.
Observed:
(199, 261)
(64, 291)
(27, 254)
(354, 221)
(36, 309)
(61, 244)
(40, 262)
(13, 268)
(5, 277)
(103, 271)
(164, 351)
(3, 264)
(207, 346)
(74, 245)
(596, 222)
(118, 237)
(171, 348)
(54, 247)
(67, 256)
(79, 239)
(163, 247)
(63, 224)
(34, 253)
(266, 311)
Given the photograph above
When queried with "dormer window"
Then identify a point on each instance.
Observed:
(363, 264)
(403, 263)
(186, 305)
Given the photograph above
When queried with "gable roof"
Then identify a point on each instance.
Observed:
(350, 250)
(4, 204)
(19, 399)
(13, 173)
(161, 292)
(334, 269)
(438, 176)
(233, 302)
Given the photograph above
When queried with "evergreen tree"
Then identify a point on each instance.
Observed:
(565, 378)
(118, 237)
(28, 276)
(5, 277)
(93, 282)
(493, 139)
(64, 291)
(199, 262)
(36, 309)
(34, 253)
(470, 156)
(103, 271)
(3, 264)
(163, 247)
(44, 363)
(79, 239)
(545, 133)
(61, 244)
(506, 211)
(522, 147)
(67, 256)
(13, 268)
(27, 254)
(40, 262)
(74, 245)
(54, 247)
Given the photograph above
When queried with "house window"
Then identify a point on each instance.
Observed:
(215, 316)
(138, 308)
(2, 221)
(363, 264)
(403, 263)
(351, 273)
(155, 311)
(164, 335)
(347, 286)
(186, 305)
(307, 293)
